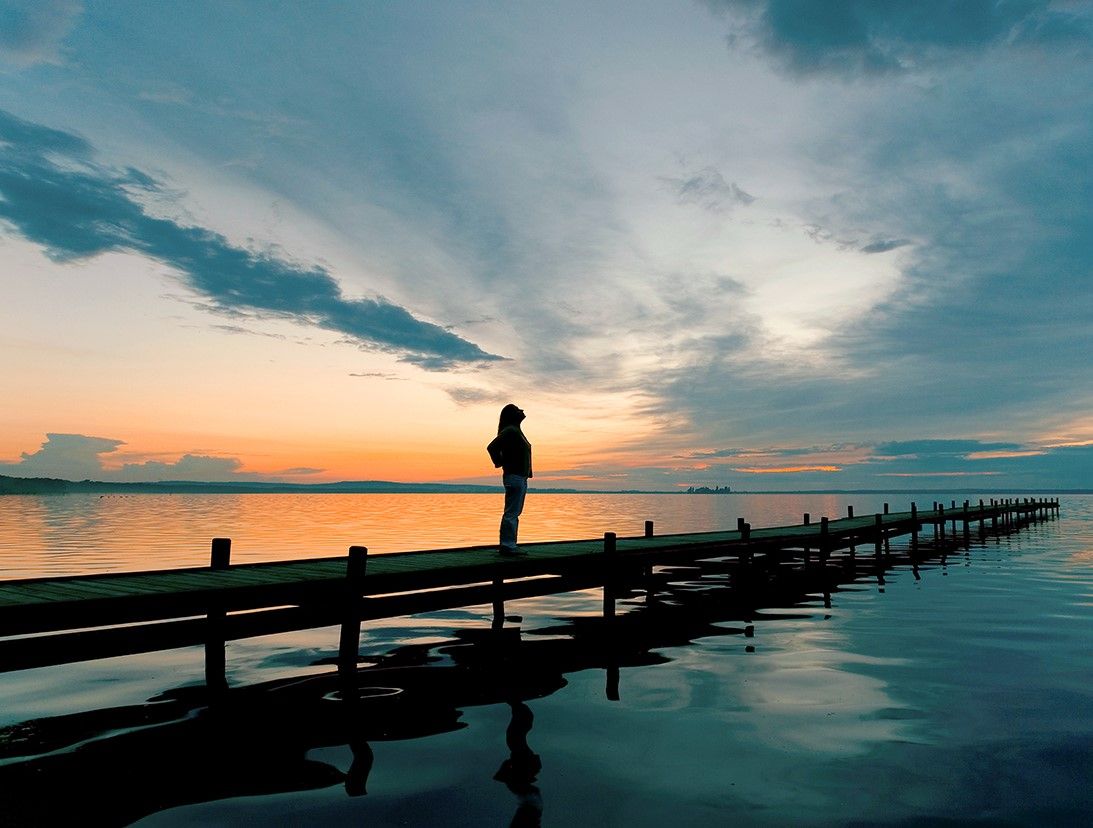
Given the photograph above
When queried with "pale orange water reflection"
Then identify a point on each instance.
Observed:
(71, 534)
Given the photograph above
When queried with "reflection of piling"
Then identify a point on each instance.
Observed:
(215, 659)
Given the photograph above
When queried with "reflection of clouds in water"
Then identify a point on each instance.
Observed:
(806, 697)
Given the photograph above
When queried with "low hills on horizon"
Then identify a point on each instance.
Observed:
(53, 485)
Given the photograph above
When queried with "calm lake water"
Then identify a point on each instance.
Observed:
(959, 691)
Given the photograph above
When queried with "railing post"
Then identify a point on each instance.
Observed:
(349, 644)
(886, 508)
(849, 511)
(648, 528)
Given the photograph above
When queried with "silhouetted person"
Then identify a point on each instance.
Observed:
(520, 770)
(511, 452)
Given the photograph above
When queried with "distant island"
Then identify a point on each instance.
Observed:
(708, 490)
(52, 485)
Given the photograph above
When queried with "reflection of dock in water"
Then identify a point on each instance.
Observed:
(198, 744)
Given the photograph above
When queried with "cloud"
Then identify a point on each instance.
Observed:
(940, 448)
(67, 456)
(53, 194)
(709, 190)
(788, 469)
(475, 396)
(193, 467)
(80, 457)
(875, 38)
(31, 31)
(884, 245)
(377, 375)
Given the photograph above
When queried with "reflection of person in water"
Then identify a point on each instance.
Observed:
(511, 451)
(521, 769)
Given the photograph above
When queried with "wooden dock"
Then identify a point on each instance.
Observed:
(46, 621)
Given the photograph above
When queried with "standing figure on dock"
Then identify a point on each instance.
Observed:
(511, 452)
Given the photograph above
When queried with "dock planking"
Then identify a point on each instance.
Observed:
(305, 591)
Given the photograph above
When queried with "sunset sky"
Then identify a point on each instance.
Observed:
(772, 244)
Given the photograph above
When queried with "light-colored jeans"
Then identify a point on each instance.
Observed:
(516, 489)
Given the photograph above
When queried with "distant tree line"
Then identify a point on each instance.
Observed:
(708, 490)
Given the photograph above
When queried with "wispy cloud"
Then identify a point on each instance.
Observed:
(55, 195)
(31, 31)
(786, 469)
(708, 189)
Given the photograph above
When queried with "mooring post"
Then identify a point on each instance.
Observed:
(648, 528)
(221, 553)
(878, 523)
(745, 537)
(216, 617)
(967, 530)
(740, 524)
(349, 644)
(808, 518)
(849, 511)
(941, 519)
(610, 566)
(824, 547)
(886, 508)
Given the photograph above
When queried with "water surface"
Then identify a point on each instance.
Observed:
(958, 691)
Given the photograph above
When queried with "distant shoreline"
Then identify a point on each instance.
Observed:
(55, 486)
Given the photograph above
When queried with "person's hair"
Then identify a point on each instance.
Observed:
(510, 415)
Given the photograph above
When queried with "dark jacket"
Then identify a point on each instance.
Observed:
(511, 451)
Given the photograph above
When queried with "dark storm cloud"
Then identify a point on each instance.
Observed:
(54, 195)
(864, 36)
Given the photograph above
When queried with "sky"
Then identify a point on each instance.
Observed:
(770, 244)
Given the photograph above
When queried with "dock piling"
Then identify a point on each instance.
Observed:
(349, 643)
(878, 523)
(648, 528)
(610, 554)
(215, 658)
